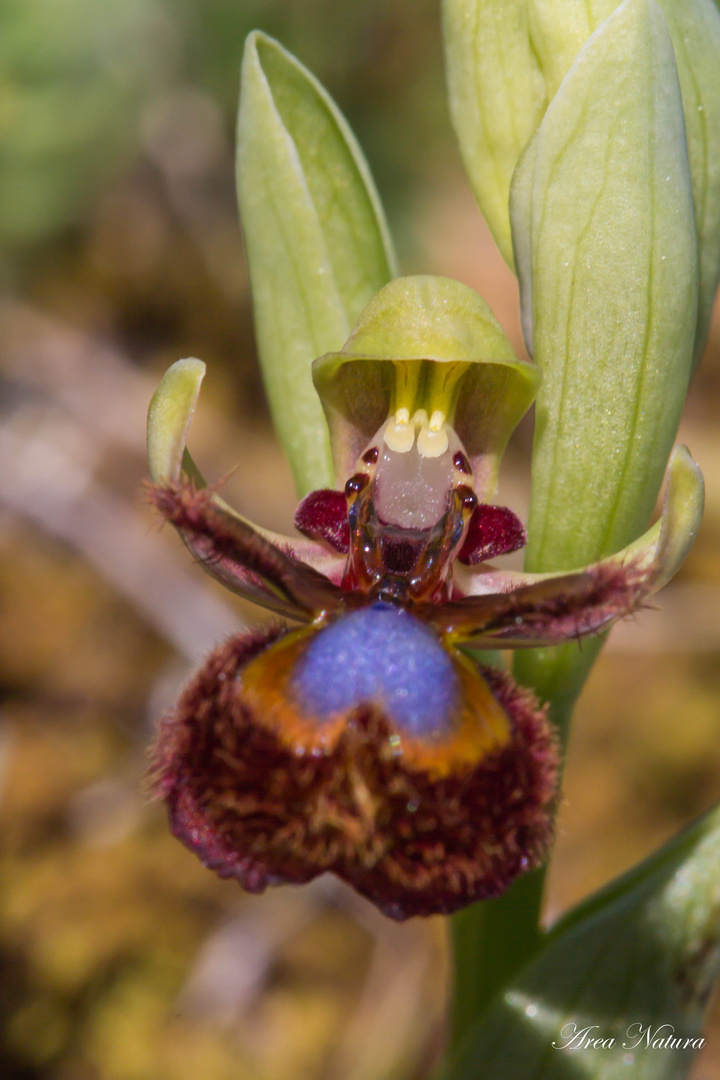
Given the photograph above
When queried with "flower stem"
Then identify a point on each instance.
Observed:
(493, 939)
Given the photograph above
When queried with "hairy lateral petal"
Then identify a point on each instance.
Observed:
(169, 418)
(545, 609)
(238, 556)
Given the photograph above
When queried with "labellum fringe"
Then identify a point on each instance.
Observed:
(268, 799)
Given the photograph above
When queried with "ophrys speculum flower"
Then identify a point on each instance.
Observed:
(369, 742)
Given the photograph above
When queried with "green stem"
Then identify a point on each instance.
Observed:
(493, 939)
(557, 675)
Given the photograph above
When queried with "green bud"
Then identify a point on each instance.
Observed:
(497, 97)
(559, 29)
(602, 207)
(609, 282)
(506, 60)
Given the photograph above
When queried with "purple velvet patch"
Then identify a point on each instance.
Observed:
(322, 515)
(384, 657)
(493, 531)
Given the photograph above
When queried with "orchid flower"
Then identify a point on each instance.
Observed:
(367, 740)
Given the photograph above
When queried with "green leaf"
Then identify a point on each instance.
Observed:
(695, 30)
(497, 97)
(643, 952)
(606, 193)
(317, 244)
(506, 60)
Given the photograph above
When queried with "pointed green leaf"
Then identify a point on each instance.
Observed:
(317, 244)
(634, 964)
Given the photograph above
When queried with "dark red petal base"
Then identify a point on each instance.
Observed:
(254, 808)
(492, 531)
(322, 515)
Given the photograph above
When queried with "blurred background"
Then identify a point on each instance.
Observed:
(120, 957)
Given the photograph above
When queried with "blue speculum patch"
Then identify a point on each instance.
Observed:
(380, 655)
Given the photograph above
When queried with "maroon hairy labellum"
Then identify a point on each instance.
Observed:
(414, 839)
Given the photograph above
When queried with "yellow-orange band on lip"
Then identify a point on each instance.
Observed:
(481, 726)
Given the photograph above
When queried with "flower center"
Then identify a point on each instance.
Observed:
(411, 497)
(417, 445)
(384, 657)
(424, 399)
(411, 486)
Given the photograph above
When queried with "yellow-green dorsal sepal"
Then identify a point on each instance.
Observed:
(426, 344)
(169, 417)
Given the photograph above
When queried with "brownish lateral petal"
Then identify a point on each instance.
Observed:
(238, 556)
(549, 611)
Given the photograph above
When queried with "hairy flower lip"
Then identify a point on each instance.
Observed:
(254, 807)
